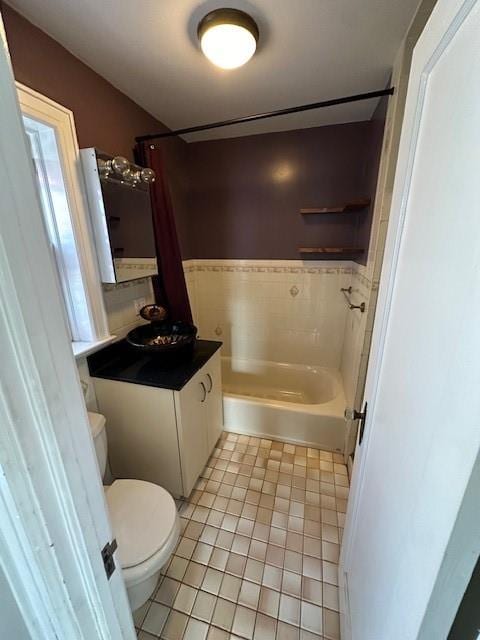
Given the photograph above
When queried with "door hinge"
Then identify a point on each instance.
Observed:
(363, 419)
(353, 414)
(107, 557)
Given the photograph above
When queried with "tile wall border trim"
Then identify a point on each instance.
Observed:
(124, 285)
(364, 281)
(269, 266)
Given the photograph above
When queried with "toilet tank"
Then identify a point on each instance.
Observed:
(99, 434)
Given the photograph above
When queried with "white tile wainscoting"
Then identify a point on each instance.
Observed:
(122, 316)
(120, 304)
(283, 311)
(277, 310)
(354, 356)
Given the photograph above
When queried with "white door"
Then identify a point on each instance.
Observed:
(53, 521)
(411, 476)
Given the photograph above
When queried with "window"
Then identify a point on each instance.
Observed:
(59, 226)
(50, 131)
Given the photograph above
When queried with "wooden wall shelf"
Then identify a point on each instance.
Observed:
(354, 205)
(331, 250)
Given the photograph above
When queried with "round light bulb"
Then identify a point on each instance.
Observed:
(228, 46)
(147, 175)
(120, 165)
(104, 167)
(228, 37)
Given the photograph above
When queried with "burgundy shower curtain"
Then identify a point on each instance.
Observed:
(169, 286)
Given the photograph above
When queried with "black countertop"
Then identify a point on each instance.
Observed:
(120, 361)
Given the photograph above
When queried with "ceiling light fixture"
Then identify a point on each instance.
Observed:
(228, 37)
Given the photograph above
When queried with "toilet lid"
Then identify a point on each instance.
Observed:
(143, 516)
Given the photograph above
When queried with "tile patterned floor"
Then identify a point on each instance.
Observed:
(258, 555)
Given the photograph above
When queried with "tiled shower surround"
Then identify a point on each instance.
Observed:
(258, 556)
(355, 346)
(281, 310)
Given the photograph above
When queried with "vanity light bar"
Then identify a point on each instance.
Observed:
(122, 168)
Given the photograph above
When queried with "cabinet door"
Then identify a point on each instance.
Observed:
(213, 383)
(142, 432)
(191, 412)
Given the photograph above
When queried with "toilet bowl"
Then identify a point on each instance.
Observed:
(144, 521)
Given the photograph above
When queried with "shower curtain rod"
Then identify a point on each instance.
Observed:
(270, 114)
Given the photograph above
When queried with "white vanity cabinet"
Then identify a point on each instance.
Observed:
(161, 435)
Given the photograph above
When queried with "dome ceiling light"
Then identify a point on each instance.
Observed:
(228, 37)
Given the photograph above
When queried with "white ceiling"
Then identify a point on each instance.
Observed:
(309, 50)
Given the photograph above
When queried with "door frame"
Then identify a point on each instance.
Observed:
(463, 547)
(53, 517)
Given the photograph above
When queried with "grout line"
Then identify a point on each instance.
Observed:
(251, 496)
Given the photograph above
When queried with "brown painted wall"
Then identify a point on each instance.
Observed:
(246, 193)
(104, 116)
(233, 198)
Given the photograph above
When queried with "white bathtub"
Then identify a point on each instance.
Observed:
(296, 403)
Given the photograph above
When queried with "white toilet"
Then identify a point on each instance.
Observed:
(144, 520)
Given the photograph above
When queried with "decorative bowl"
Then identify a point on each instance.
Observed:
(164, 338)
